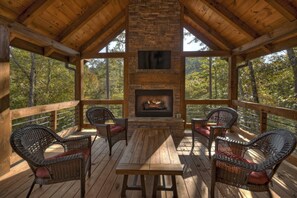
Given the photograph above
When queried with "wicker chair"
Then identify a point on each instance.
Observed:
(109, 127)
(231, 164)
(30, 142)
(216, 123)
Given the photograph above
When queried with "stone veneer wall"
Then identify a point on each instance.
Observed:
(154, 25)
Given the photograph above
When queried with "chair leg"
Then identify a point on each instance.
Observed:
(90, 167)
(209, 149)
(269, 193)
(193, 138)
(110, 147)
(213, 179)
(31, 188)
(82, 187)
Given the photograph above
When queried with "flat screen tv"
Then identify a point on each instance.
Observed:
(154, 59)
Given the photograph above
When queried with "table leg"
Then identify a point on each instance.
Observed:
(173, 180)
(124, 187)
(156, 180)
(142, 185)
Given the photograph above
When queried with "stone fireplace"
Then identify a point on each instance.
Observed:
(154, 25)
(153, 103)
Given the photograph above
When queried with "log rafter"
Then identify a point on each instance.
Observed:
(281, 32)
(208, 29)
(34, 10)
(102, 44)
(201, 37)
(25, 33)
(78, 23)
(85, 46)
(285, 8)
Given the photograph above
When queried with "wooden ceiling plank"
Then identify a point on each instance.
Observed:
(102, 44)
(208, 29)
(231, 18)
(22, 31)
(84, 47)
(77, 24)
(201, 37)
(283, 31)
(284, 8)
(34, 10)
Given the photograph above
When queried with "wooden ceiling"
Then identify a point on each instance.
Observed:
(70, 28)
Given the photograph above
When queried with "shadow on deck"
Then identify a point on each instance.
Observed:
(105, 183)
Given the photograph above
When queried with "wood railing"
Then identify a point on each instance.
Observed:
(52, 109)
(264, 111)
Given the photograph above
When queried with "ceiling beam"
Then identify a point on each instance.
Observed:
(231, 18)
(201, 37)
(85, 46)
(81, 20)
(289, 43)
(281, 32)
(22, 31)
(215, 53)
(36, 8)
(102, 44)
(285, 8)
(208, 29)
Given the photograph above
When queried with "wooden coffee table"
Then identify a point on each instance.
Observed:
(150, 152)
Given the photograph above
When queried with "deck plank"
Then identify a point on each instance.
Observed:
(104, 182)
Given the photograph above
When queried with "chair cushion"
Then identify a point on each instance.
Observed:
(42, 172)
(253, 178)
(115, 129)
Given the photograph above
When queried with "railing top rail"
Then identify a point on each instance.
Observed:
(30, 111)
(279, 111)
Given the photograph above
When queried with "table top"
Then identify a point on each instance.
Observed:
(150, 152)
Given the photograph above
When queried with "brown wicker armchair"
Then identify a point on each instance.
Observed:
(30, 142)
(231, 165)
(109, 127)
(216, 123)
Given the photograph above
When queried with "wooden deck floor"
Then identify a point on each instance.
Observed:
(105, 183)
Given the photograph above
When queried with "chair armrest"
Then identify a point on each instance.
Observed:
(237, 163)
(121, 121)
(79, 142)
(230, 146)
(103, 130)
(199, 122)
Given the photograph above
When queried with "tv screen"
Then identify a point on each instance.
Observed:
(154, 59)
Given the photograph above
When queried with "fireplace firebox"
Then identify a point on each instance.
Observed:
(154, 103)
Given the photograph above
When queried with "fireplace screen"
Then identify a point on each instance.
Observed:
(153, 103)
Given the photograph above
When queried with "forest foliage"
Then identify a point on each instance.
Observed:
(37, 80)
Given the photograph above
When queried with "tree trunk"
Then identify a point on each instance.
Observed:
(253, 81)
(293, 61)
(32, 81)
(210, 77)
(107, 76)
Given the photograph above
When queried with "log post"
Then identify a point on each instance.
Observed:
(79, 92)
(263, 121)
(5, 118)
(233, 82)
(54, 120)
